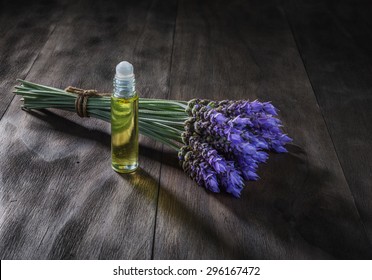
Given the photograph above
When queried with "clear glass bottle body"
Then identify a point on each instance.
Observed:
(124, 134)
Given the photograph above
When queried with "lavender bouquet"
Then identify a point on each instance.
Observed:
(219, 143)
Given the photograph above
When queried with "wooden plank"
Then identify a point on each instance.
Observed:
(59, 197)
(337, 36)
(23, 32)
(302, 207)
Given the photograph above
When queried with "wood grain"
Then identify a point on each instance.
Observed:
(302, 207)
(59, 197)
(337, 36)
(23, 32)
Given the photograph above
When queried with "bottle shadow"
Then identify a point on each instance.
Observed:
(171, 207)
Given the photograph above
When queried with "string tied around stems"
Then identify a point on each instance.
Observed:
(81, 102)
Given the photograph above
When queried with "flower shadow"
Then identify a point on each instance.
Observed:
(302, 207)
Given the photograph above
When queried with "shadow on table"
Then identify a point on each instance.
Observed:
(65, 125)
(167, 157)
(300, 205)
(169, 205)
(301, 210)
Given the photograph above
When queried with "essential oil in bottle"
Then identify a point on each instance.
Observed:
(124, 120)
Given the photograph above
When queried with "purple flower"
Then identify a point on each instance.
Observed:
(240, 122)
(256, 106)
(229, 177)
(269, 108)
(226, 141)
(219, 118)
(208, 177)
(198, 169)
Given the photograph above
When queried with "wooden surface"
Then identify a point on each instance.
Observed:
(59, 198)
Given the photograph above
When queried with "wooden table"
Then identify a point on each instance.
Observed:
(59, 198)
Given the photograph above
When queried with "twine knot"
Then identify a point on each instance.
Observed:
(81, 102)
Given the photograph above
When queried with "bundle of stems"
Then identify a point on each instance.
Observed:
(159, 119)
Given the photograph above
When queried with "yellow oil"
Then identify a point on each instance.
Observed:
(124, 134)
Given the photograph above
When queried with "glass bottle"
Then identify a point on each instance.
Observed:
(124, 120)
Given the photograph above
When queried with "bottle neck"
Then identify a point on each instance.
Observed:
(124, 88)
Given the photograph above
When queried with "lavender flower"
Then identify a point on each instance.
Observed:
(253, 116)
(198, 169)
(228, 175)
(225, 135)
(230, 138)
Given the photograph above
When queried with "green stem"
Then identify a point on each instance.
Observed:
(161, 120)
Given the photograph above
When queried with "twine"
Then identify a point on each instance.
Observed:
(81, 102)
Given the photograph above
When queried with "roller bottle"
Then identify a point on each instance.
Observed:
(124, 120)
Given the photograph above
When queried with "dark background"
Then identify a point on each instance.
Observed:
(59, 199)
